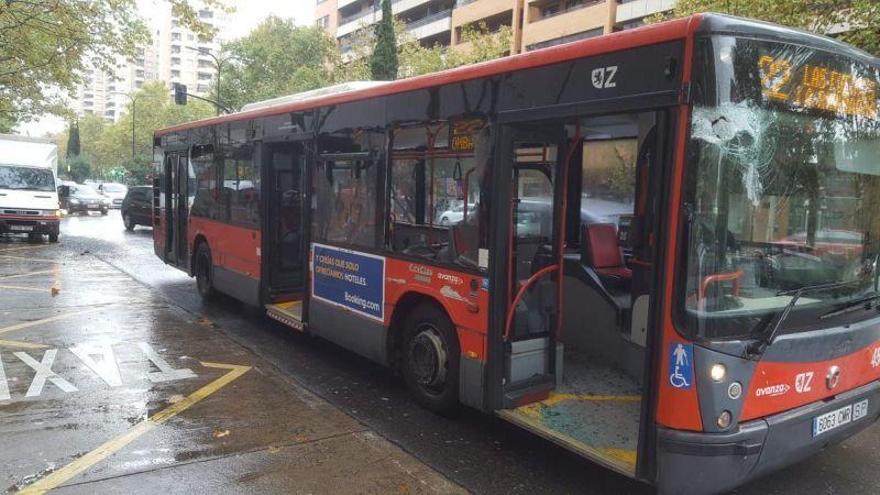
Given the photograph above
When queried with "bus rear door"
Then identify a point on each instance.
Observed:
(284, 260)
(176, 209)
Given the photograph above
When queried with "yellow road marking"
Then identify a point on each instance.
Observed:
(111, 447)
(557, 398)
(22, 248)
(18, 287)
(44, 260)
(40, 272)
(28, 324)
(23, 345)
(623, 455)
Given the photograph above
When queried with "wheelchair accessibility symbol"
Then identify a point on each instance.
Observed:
(681, 365)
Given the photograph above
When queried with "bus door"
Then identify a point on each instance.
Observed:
(284, 243)
(534, 272)
(177, 208)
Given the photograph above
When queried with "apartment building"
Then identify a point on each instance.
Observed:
(175, 55)
(534, 23)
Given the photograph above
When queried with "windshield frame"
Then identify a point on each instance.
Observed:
(687, 322)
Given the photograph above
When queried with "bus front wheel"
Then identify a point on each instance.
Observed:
(431, 359)
(204, 272)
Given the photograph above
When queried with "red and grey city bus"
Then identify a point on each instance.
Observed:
(656, 248)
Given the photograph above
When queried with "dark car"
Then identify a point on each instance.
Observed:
(137, 207)
(84, 198)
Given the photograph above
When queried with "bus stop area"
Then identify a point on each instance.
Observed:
(105, 386)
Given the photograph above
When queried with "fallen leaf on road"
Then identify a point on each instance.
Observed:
(220, 433)
(55, 291)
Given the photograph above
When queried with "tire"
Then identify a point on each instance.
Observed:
(53, 238)
(129, 224)
(104, 212)
(430, 359)
(444, 221)
(204, 272)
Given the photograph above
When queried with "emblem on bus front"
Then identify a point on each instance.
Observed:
(833, 377)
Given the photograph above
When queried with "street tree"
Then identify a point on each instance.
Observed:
(384, 62)
(854, 21)
(479, 44)
(277, 58)
(73, 145)
(47, 47)
(107, 146)
(79, 169)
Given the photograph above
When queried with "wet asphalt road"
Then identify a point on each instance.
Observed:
(477, 452)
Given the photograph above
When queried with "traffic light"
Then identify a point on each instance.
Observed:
(180, 93)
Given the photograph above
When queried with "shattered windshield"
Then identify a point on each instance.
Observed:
(783, 189)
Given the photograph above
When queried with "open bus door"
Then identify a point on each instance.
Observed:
(577, 280)
(177, 205)
(285, 228)
(531, 155)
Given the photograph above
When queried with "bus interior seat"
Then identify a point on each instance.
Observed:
(601, 251)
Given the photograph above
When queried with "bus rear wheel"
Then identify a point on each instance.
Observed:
(204, 272)
(431, 359)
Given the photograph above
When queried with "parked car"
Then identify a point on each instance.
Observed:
(115, 192)
(137, 207)
(456, 214)
(83, 199)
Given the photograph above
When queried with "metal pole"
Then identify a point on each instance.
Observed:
(218, 84)
(133, 101)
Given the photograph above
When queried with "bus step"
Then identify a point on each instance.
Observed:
(524, 392)
(289, 313)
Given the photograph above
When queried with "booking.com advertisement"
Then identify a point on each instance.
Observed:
(353, 280)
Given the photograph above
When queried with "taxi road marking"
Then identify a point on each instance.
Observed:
(28, 324)
(18, 275)
(44, 260)
(23, 345)
(17, 287)
(22, 248)
(111, 447)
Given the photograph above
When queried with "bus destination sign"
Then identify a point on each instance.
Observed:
(815, 87)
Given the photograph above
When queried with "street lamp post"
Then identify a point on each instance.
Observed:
(217, 63)
(133, 100)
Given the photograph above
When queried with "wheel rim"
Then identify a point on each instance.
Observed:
(428, 358)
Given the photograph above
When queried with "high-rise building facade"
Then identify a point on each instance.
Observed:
(534, 23)
(175, 55)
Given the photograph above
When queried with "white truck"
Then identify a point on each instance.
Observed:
(28, 187)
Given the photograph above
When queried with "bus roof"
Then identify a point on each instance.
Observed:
(641, 36)
(645, 35)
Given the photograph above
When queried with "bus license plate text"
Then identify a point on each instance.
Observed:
(840, 417)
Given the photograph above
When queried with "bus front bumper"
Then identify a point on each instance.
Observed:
(694, 462)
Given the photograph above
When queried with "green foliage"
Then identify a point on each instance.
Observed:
(384, 62)
(107, 146)
(79, 169)
(277, 58)
(46, 46)
(73, 146)
(862, 16)
(478, 45)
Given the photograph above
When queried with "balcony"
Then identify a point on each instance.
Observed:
(636, 9)
(565, 23)
(431, 25)
(470, 11)
(352, 23)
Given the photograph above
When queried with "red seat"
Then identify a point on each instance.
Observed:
(601, 251)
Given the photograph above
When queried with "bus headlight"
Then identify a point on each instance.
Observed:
(723, 419)
(718, 372)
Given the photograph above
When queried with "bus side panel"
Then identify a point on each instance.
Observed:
(235, 253)
(465, 298)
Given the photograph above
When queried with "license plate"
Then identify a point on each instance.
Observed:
(840, 417)
(22, 228)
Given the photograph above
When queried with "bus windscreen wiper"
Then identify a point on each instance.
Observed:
(768, 333)
(851, 305)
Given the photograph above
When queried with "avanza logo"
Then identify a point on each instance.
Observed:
(452, 279)
(773, 390)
